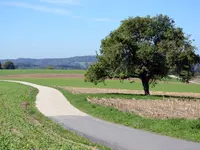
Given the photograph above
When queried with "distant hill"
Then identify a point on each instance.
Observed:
(78, 62)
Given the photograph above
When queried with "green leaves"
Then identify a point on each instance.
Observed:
(96, 73)
(8, 65)
(144, 47)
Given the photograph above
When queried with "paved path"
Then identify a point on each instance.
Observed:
(54, 105)
(194, 82)
(175, 77)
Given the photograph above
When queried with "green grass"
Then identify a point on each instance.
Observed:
(126, 96)
(23, 127)
(179, 128)
(39, 71)
(56, 71)
(162, 86)
(140, 96)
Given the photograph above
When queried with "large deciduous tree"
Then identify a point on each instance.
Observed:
(8, 65)
(147, 48)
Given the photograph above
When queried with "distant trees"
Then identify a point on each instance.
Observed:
(80, 62)
(0, 65)
(8, 65)
(50, 67)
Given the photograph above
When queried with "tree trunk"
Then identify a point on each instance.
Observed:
(145, 83)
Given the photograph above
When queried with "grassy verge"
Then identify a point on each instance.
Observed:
(23, 127)
(179, 128)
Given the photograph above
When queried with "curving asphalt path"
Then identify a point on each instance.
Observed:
(54, 105)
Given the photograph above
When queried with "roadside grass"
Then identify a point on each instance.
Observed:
(179, 128)
(39, 71)
(115, 84)
(23, 127)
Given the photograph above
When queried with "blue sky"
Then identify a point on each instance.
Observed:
(65, 28)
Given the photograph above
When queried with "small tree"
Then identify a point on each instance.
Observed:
(146, 48)
(0, 65)
(8, 65)
(50, 67)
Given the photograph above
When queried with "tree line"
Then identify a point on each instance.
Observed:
(78, 62)
(7, 65)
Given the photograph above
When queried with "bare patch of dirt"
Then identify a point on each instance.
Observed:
(44, 76)
(35, 121)
(76, 90)
(25, 105)
(160, 109)
(16, 132)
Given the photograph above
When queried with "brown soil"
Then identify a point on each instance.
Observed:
(16, 132)
(76, 90)
(25, 105)
(44, 76)
(161, 109)
(34, 121)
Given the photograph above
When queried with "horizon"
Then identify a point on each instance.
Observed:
(49, 57)
(42, 29)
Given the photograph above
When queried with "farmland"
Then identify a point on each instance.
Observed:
(180, 128)
(89, 75)
(39, 71)
(176, 127)
(77, 82)
(75, 78)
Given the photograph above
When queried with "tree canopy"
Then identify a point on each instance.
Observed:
(8, 65)
(147, 48)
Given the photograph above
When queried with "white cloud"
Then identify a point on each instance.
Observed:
(59, 11)
(37, 7)
(72, 2)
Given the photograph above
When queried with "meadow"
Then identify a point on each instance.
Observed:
(188, 129)
(23, 127)
(76, 82)
(39, 71)
(169, 85)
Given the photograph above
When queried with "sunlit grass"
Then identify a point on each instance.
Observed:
(39, 71)
(162, 86)
(23, 127)
(187, 129)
